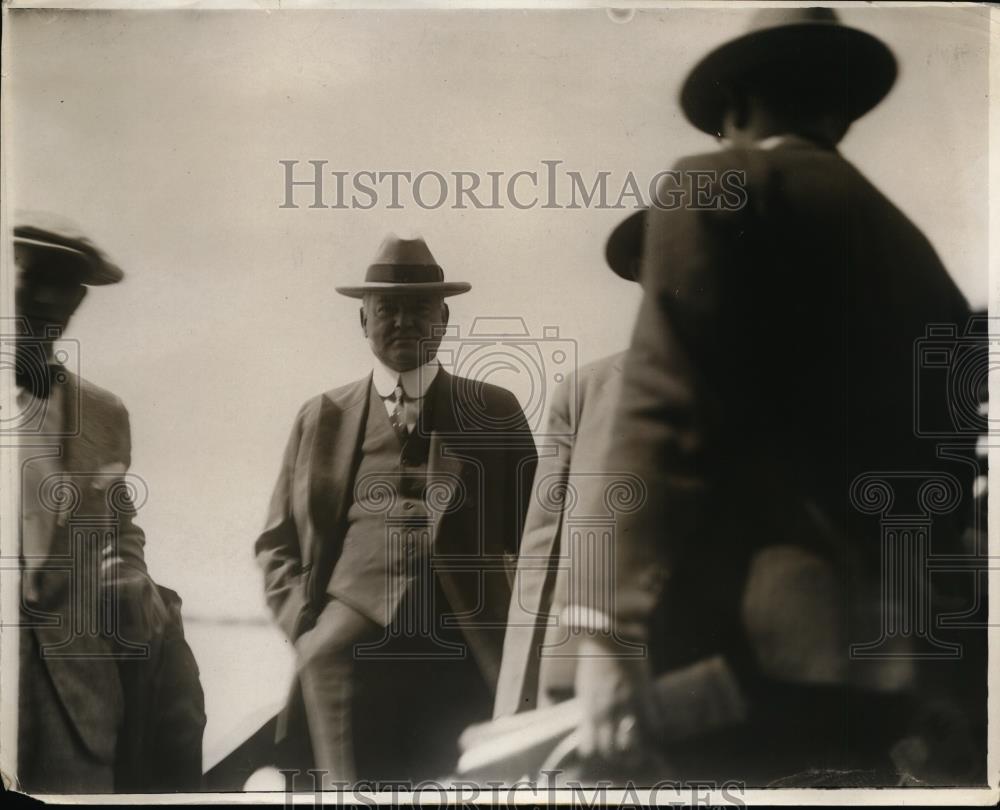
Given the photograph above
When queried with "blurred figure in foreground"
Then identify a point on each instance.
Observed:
(109, 697)
(768, 391)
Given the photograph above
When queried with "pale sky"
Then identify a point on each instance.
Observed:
(160, 134)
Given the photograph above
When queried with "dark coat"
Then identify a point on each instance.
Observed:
(773, 361)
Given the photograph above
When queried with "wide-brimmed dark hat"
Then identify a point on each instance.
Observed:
(623, 250)
(796, 42)
(405, 266)
(54, 244)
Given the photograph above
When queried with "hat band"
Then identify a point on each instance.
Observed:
(404, 274)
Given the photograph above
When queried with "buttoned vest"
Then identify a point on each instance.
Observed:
(387, 541)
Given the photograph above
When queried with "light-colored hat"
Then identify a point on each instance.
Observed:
(405, 266)
(39, 235)
(798, 41)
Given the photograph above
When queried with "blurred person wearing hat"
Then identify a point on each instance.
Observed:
(400, 502)
(772, 364)
(537, 666)
(87, 707)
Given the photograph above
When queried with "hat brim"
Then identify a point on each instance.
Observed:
(623, 251)
(92, 273)
(867, 65)
(442, 288)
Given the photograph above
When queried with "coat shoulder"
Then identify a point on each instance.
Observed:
(466, 387)
(101, 420)
(804, 174)
(345, 393)
(97, 396)
(597, 372)
(343, 396)
(495, 400)
(728, 157)
(101, 415)
(802, 184)
(757, 165)
(586, 387)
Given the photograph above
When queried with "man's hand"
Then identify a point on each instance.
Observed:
(613, 692)
(139, 611)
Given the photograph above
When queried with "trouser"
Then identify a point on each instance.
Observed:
(52, 757)
(326, 675)
(382, 706)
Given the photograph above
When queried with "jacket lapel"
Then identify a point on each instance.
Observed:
(444, 471)
(333, 462)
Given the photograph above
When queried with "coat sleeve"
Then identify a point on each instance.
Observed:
(522, 459)
(543, 513)
(667, 420)
(277, 548)
(131, 538)
(518, 682)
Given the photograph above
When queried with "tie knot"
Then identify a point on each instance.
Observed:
(399, 394)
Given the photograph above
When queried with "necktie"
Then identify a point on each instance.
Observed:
(398, 415)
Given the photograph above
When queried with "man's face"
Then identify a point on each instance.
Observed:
(400, 328)
(46, 296)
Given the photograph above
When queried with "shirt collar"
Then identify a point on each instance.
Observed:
(777, 141)
(416, 381)
(788, 139)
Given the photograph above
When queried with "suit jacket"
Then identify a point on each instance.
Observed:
(571, 454)
(772, 363)
(95, 454)
(482, 444)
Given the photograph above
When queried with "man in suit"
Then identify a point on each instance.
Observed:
(387, 549)
(538, 661)
(91, 614)
(772, 365)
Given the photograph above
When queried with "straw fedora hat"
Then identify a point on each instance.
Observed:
(404, 266)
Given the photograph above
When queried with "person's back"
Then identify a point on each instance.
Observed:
(774, 405)
(803, 311)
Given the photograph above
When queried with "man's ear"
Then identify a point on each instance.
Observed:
(364, 321)
(445, 314)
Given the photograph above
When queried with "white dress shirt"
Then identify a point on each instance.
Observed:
(414, 382)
